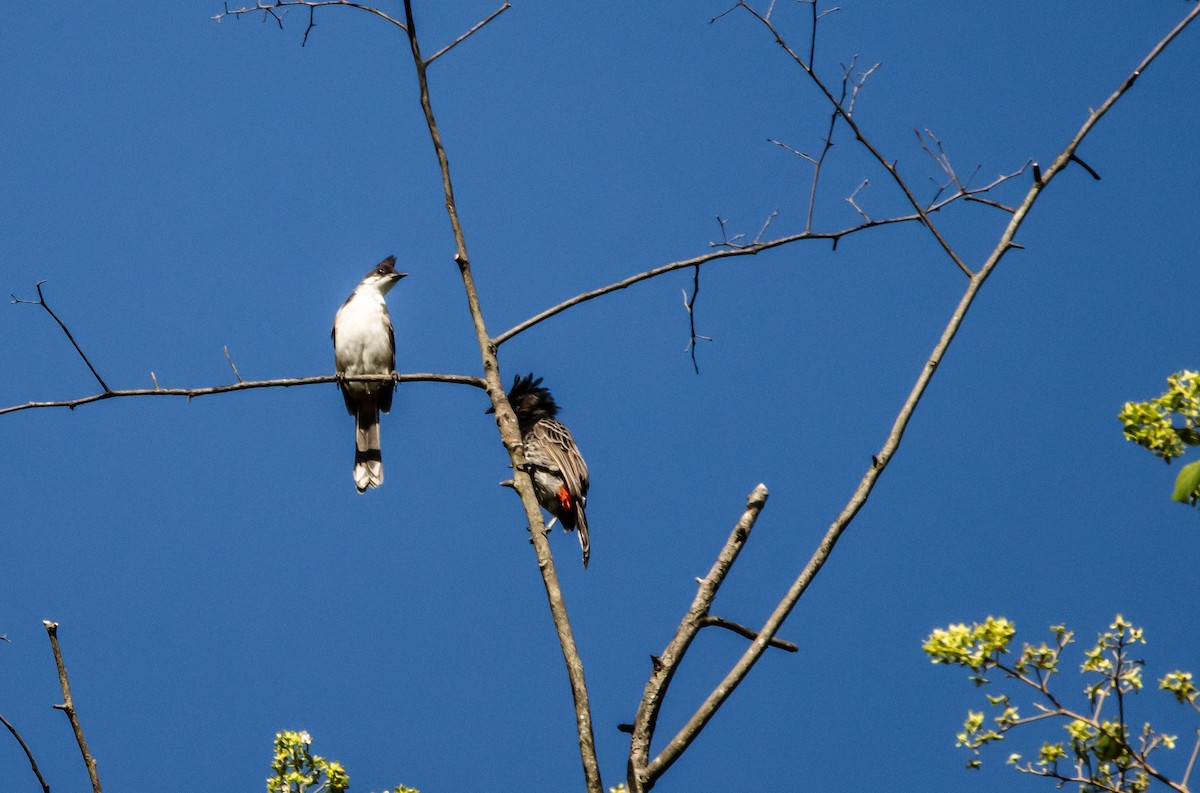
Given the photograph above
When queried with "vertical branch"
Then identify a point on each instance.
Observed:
(68, 705)
(506, 421)
(689, 304)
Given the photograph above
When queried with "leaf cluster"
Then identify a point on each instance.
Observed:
(1152, 425)
(297, 770)
(1096, 748)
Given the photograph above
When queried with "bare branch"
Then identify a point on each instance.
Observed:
(1085, 166)
(726, 240)
(729, 249)
(820, 162)
(793, 151)
(510, 436)
(312, 23)
(879, 461)
(766, 224)
(1191, 761)
(28, 754)
(269, 7)
(41, 301)
(244, 385)
(844, 111)
(689, 303)
(729, 10)
(857, 208)
(231, 365)
(68, 705)
(858, 84)
(464, 36)
(742, 630)
(640, 776)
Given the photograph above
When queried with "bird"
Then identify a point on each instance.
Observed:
(363, 343)
(553, 461)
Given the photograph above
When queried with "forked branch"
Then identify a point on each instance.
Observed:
(845, 112)
(666, 664)
(643, 773)
(41, 301)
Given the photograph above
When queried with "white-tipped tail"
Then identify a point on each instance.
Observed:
(368, 454)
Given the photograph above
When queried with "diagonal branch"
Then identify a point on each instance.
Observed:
(41, 301)
(470, 32)
(28, 754)
(68, 705)
(844, 112)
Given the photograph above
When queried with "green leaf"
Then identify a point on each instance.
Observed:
(1187, 482)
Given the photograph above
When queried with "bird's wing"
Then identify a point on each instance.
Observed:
(556, 441)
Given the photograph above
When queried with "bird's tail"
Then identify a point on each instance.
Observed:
(581, 526)
(368, 454)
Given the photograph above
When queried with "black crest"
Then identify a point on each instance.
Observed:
(531, 401)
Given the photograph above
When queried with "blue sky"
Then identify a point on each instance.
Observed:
(184, 186)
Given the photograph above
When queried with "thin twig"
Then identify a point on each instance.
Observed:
(819, 163)
(41, 301)
(1191, 761)
(1085, 166)
(797, 152)
(231, 365)
(731, 248)
(312, 23)
(766, 225)
(844, 112)
(745, 250)
(269, 8)
(857, 208)
(68, 705)
(689, 304)
(464, 36)
(742, 630)
(28, 754)
(244, 385)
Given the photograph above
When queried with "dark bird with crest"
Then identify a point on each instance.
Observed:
(559, 474)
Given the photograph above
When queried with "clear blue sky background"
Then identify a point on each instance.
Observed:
(184, 185)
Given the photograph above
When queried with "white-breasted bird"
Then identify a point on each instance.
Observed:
(363, 343)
